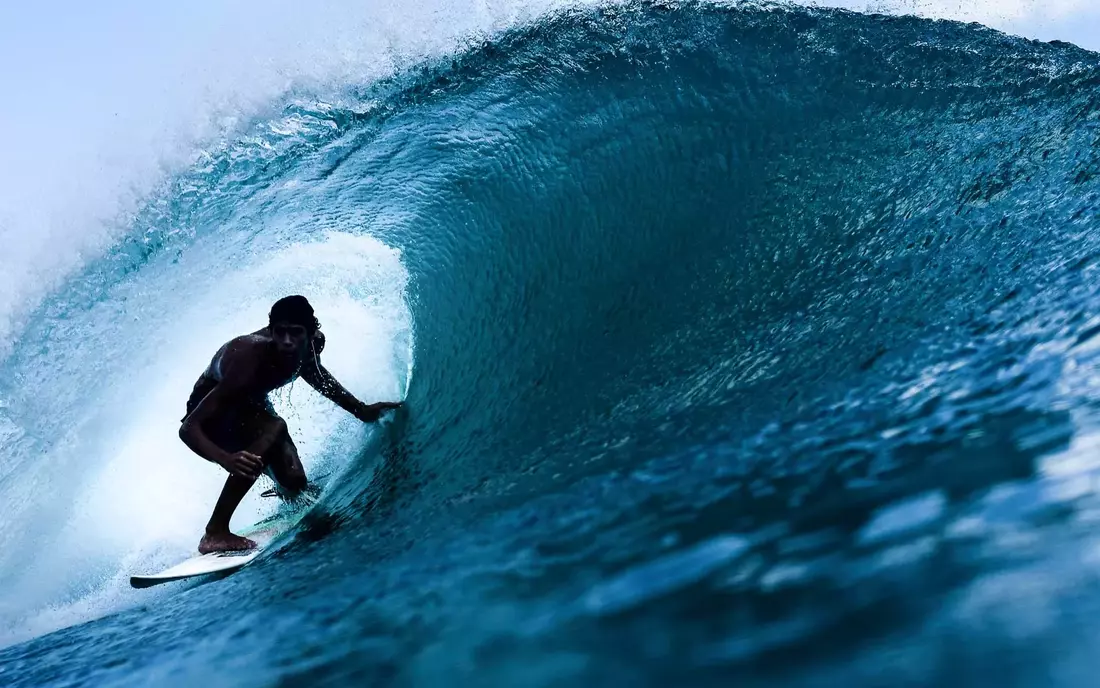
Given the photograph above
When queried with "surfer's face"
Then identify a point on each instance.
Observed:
(290, 339)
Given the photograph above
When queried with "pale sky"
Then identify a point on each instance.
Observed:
(98, 97)
(1074, 21)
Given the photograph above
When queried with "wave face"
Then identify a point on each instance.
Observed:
(743, 343)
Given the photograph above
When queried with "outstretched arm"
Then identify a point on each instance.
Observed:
(320, 379)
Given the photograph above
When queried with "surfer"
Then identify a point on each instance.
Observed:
(231, 422)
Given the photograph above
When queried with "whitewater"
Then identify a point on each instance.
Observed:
(740, 343)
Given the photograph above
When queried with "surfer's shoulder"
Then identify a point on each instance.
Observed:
(242, 352)
(261, 338)
(245, 343)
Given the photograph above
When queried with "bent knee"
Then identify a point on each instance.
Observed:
(277, 426)
(295, 481)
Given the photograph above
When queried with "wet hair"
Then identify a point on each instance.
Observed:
(295, 310)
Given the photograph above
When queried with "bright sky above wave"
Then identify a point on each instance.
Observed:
(1075, 21)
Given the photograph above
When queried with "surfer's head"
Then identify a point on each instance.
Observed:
(292, 324)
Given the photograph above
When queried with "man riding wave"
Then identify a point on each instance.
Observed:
(231, 422)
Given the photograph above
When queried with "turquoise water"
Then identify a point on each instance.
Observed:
(740, 344)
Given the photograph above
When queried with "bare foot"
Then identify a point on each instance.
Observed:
(224, 542)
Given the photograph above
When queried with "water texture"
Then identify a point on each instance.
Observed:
(739, 343)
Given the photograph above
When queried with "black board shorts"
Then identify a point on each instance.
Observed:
(234, 428)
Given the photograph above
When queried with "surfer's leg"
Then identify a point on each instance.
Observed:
(218, 537)
(286, 467)
(280, 456)
(252, 431)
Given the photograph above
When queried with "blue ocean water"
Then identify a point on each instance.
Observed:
(746, 345)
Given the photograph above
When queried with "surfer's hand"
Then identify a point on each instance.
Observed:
(368, 413)
(244, 464)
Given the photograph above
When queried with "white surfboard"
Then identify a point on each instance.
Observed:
(262, 533)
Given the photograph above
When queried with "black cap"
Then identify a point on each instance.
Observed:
(294, 309)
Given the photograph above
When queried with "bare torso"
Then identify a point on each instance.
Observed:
(272, 372)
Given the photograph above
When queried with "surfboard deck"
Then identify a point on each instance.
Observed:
(263, 533)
